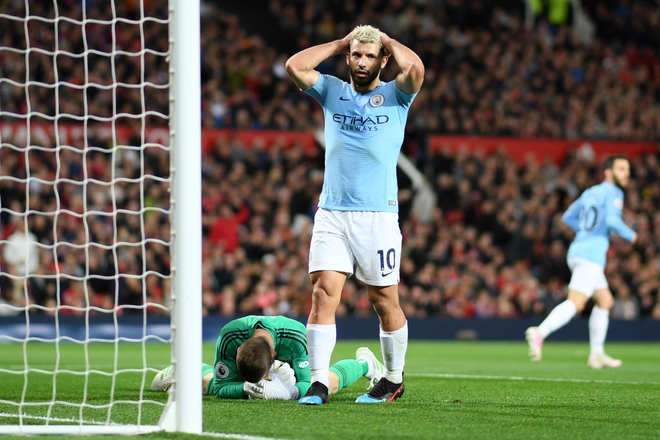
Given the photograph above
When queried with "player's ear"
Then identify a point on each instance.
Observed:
(386, 58)
(272, 355)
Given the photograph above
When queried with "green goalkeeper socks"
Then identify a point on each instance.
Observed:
(349, 370)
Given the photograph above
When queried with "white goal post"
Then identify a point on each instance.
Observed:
(100, 216)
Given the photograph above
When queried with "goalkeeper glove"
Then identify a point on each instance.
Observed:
(283, 372)
(270, 390)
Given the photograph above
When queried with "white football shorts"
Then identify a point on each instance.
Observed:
(587, 276)
(364, 243)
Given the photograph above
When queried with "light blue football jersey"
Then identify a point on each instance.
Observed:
(363, 136)
(593, 216)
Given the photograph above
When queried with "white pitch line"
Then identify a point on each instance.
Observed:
(93, 422)
(537, 379)
(57, 419)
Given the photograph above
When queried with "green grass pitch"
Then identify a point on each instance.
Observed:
(454, 390)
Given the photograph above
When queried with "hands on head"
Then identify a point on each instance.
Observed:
(279, 384)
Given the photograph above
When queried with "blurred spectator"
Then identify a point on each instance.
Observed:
(625, 306)
(21, 252)
(225, 228)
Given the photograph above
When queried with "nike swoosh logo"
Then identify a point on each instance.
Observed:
(341, 98)
(386, 274)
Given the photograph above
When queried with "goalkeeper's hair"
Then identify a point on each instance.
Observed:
(608, 163)
(253, 359)
(367, 34)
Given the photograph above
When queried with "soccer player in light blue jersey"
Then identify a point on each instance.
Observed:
(356, 229)
(593, 216)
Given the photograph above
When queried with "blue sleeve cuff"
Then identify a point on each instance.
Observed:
(316, 91)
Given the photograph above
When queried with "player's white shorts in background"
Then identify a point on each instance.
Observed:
(365, 243)
(587, 276)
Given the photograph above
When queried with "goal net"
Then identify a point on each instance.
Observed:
(92, 230)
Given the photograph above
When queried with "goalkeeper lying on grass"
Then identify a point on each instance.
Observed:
(265, 357)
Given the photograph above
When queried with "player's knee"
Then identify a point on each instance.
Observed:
(579, 306)
(383, 305)
(321, 296)
(579, 299)
(606, 302)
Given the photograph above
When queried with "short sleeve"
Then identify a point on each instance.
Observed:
(614, 203)
(403, 98)
(319, 90)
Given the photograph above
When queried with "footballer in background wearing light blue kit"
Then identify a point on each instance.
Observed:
(356, 229)
(593, 216)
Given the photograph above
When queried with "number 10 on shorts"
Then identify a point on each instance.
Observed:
(389, 258)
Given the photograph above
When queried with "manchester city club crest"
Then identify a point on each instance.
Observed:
(377, 100)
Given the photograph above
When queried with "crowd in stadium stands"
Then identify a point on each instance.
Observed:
(95, 74)
(486, 71)
(66, 216)
(495, 246)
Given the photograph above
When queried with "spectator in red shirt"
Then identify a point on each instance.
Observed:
(225, 228)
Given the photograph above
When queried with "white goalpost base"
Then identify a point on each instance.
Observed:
(62, 96)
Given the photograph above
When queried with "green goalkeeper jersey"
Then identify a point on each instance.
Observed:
(290, 341)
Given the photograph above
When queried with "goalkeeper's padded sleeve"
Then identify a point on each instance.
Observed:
(230, 390)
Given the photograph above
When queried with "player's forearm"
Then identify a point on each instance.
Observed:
(311, 57)
(233, 390)
(620, 227)
(412, 68)
(301, 66)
